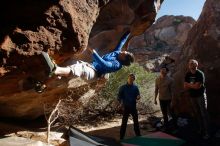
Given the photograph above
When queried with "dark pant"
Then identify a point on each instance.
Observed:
(199, 106)
(165, 108)
(126, 114)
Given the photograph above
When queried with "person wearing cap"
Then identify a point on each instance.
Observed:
(164, 86)
(100, 66)
(128, 95)
(195, 84)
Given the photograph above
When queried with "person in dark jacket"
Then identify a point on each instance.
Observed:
(128, 95)
(100, 66)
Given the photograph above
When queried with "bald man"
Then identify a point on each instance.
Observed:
(195, 84)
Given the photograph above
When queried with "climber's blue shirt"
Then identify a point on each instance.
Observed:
(109, 62)
(106, 64)
(128, 95)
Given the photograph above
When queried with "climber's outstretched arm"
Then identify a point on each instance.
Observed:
(122, 41)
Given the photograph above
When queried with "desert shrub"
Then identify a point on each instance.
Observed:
(103, 105)
(177, 21)
(105, 102)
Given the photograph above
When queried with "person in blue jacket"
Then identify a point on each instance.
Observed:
(128, 95)
(100, 66)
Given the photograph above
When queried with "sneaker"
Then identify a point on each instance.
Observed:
(138, 134)
(39, 87)
(199, 132)
(205, 137)
(50, 63)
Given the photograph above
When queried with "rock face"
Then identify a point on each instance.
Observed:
(167, 35)
(203, 44)
(64, 29)
(171, 30)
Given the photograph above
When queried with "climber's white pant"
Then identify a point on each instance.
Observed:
(83, 70)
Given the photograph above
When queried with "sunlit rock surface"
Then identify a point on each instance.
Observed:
(64, 29)
(166, 36)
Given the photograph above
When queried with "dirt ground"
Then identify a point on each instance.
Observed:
(36, 130)
(111, 128)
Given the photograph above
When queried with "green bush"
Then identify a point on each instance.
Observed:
(104, 105)
(177, 21)
(144, 80)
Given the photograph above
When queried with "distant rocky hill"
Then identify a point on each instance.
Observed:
(166, 35)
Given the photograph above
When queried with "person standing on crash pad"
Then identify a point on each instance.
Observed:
(128, 95)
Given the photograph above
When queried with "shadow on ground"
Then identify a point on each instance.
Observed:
(148, 125)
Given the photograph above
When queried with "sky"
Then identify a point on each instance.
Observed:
(191, 8)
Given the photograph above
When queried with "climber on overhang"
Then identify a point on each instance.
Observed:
(100, 66)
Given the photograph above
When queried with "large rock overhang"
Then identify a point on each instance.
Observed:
(64, 29)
